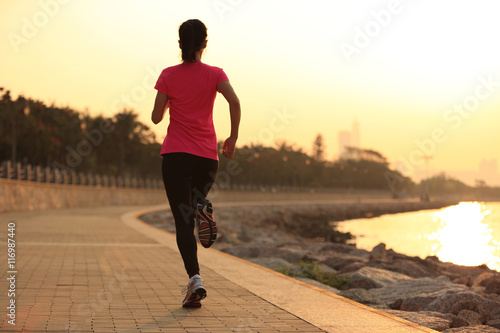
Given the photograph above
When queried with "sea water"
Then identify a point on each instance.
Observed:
(464, 234)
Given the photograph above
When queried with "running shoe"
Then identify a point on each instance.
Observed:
(195, 292)
(207, 228)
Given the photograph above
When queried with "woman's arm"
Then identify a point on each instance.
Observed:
(227, 91)
(159, 108)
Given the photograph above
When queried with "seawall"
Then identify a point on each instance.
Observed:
(23, 195)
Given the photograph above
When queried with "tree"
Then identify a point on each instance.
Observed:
(319, 148)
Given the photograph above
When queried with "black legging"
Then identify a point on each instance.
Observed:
(187, 179)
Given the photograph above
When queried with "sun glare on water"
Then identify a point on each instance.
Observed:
(464, 237)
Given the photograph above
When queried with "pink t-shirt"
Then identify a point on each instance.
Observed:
(191, 90)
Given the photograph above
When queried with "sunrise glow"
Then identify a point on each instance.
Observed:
(464, 237)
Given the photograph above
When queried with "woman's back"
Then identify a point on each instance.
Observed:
(191, 88)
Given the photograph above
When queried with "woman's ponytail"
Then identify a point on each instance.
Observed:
(192, 36)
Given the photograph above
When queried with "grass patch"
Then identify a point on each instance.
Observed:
(311, 270)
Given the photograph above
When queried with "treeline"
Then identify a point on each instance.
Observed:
(442, 184)
(43, 135)
(32, 132)
(287, 166)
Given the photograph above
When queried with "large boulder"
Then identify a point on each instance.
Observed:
(472, 318)
(292, 254)
(334, 254)
(456, 272)
(276, 264)
(492, 285)
(494, 323)
(485, 278)
(473, 329)
(378, 253)
(411, 288)
(433, 320)
(447, 302)
(328, 248)
(410, 267)
(342, 261)
(461, 307)
(371, 277)
(352, 267)
(451, 301)
(363, 296)
(243, 251)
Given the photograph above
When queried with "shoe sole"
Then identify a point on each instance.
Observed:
(195, 298)
(207, 232)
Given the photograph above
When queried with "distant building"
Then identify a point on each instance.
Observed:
(349, 139)
(488, 171)
(344, 142)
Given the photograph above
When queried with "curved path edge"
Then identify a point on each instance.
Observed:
(319, 307)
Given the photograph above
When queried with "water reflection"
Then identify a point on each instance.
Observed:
(465, 234)
(464, 237)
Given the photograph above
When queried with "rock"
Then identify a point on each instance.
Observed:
(334, 250)
(362, 296)
(456, 300)
(353, 267)
(340, 262)
(494, 323)
(370, 277)
(264, 240)
(472, 318)
(326, 247)
(422, 287)
(254, 250)
(474, 329)
(492, 297)
(293, 255)
(465, 280)
(445, 301)
(456, 271)
(326, 269)
(485, 278)
(378, 253)
(433, 320)
(458, 322)
(310, 223)
(471, 305)
(276, 264)
(318, 284)
(243, 251)
(243, 234)
(409, 267)
(492, 285)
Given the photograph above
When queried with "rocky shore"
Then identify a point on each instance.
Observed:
(442, 296)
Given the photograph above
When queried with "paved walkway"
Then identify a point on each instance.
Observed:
(102, 270)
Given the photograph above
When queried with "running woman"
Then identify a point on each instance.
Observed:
(189, 151)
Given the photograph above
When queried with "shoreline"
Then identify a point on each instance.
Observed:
(438, 295)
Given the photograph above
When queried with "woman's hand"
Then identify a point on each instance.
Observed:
(229, 147)
(227, 91)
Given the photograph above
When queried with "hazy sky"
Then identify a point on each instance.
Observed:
(422, 77)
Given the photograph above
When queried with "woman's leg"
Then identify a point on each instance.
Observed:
(177, 172)
(205, 172)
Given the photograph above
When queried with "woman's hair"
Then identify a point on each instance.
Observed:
(192, 35)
